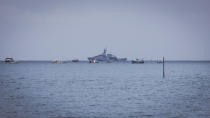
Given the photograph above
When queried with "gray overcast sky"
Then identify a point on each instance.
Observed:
(66, 29)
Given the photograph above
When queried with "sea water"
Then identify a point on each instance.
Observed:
(105, 90)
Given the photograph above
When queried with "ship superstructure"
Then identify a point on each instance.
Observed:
(104, 57)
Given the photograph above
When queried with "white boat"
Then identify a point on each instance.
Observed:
(9, 60)
(137, 61)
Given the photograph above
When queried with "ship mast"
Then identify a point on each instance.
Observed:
(104, 53)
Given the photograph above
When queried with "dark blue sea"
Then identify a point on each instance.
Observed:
(105, 90)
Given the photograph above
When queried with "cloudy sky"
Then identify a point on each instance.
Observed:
(66, 29)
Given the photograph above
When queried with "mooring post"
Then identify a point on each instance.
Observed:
(163, 67)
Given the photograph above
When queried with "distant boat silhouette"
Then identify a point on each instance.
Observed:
(57, 62)
(93, 61)
(75, 60)
(137, 61)
(9, 60)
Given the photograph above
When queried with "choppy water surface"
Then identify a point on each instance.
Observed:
(115, 90)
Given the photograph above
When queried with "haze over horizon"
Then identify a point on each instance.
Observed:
(67, 29)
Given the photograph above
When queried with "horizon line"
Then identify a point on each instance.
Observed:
(127, 60)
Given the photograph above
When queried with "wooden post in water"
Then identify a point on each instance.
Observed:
(163, 67)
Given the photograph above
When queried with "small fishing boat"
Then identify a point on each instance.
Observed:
(75, 60)
(137, 61)
(57, 62)
(9, 60)
(93, 61)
